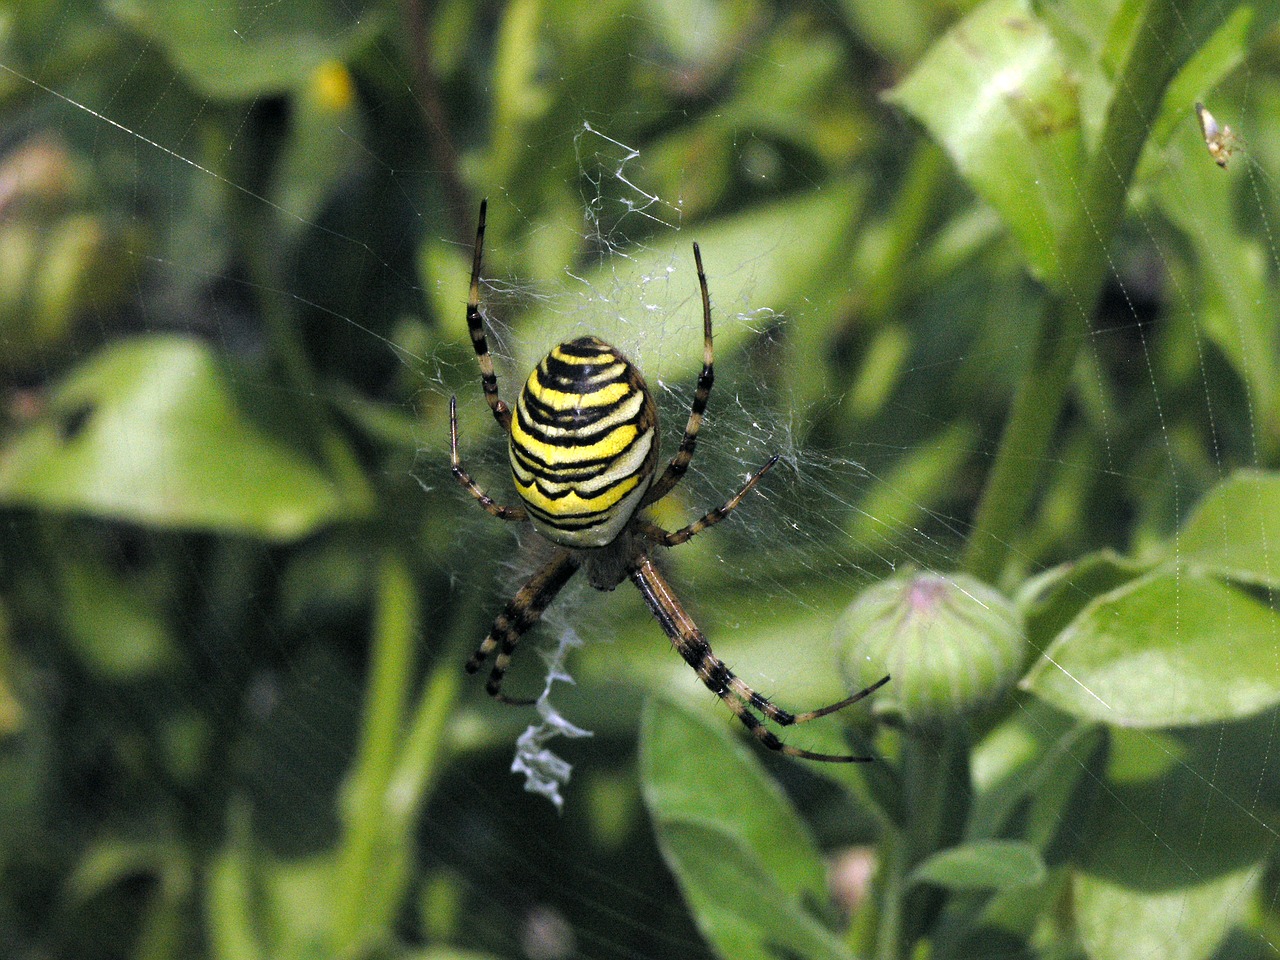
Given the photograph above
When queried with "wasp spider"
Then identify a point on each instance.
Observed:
(583, 449)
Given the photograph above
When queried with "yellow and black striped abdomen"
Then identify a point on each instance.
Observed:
(584, 443)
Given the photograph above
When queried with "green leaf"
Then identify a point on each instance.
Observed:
(1118, 923)
(995, 93)
(696, 771)
(1054, 598)
(1174, 840)
(1235, 530)
(1223, 36)
(735, 901)
(160, 431)
(112, 624)
(230, 50)
(1141, 833)
(1028, 776)
(1170, 649)
(984, 865)
(759, 263)
(745, 862)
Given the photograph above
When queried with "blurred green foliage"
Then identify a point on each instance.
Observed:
(974, 268)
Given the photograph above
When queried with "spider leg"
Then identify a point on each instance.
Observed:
(521, 612)
(464, 478)
(784, 719)
(680, 462)
(692, 645)
(475, 323)
(655, 533)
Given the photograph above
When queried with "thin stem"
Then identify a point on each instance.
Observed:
(431, 102)
(893, 896)
(423, 752)
(891, 280)
(936, 791)
(1064, 327)
(360, 913)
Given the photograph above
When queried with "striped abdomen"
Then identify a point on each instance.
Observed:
(584, 443)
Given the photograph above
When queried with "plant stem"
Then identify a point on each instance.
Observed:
(1084, 257)
(359, 914)
(889, 283)
(935, 791)
(893, 896)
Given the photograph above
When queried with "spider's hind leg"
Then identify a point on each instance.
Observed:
(692, 645)
(521, 612)
(785, 719)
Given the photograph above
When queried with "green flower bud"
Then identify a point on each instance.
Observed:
(952, 644)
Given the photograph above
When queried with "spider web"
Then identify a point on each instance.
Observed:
(832, 516)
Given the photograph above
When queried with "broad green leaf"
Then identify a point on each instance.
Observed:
(1171, 649)
(159, 431)
(695, 771)
(1167, 821)
(1053, 599)
(230, 50)
(115, 627)
(745, 863)
(984, 865)
(1186, 923)
(759, 263)
(735, 901)
(995, 93)
(1235, 529)
(1093, 37)
(1141, 756)
(1233, 758)
(1028, 774)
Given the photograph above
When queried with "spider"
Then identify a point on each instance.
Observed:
(583, 448)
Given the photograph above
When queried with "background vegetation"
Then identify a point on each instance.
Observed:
(975, 272)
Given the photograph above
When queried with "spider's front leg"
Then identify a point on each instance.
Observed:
(475, 324)
(657, 535)
(692, 645)
(490, 505)
(522, 612)
(702, 394)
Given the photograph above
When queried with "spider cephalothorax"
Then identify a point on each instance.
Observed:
(583, 446)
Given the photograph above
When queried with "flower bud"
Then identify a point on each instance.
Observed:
(951, 643)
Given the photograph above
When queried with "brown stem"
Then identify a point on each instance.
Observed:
(427, 90)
